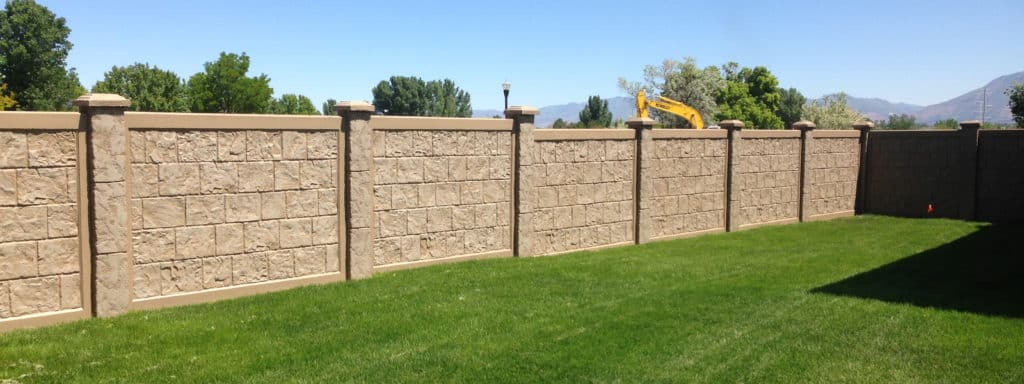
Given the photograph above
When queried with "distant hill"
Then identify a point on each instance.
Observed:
(879, 109)
(621, 107)
(968, 105)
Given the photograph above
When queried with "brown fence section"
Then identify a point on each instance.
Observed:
(1000, 185)
(44, 248)
(106, 211)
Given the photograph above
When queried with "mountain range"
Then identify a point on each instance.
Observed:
(964, 107)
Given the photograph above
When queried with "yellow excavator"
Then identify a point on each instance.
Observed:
(668, 105)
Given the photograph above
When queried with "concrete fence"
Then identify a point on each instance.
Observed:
(106, 211)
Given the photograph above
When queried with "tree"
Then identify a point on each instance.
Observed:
(1016, 94)
(328, 107)
(292, 104)
(7, 100)
(750, 95)
(33, 57)
(149, 88)
(411, 96)
(224, 87)
(683, 82)
(595, 114)
(559, 123)
(946, 124)
(900, 121)
(791, 106)
(831, 112)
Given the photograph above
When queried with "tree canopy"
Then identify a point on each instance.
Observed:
(34, 48)
(595, 114)
(681, 81)
(224, 87)
(831, 112)
(900, 121)
(327, 108)
(292, 104)
(1016, 94)
(559, 123)
(750, 95)
(149, 88)
(411, 96)
(791, 106)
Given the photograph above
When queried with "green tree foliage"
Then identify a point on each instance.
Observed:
(681, 81)
(831, 112)
(1016, 94)
(327, 109)
(7, 100)
(595, 114)
(751, 96)
(900, 121)
(33, 57)
(224, 87)
(559, 123)
(292, 104)
(411, 96)
(946, 124)
(149, 88)
(791, 106)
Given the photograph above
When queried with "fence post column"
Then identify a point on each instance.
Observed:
(861, 201)
(969, 170)
(733, 214)
(107, 175)
(358, 180)
(806, 142)
(643, 182)
(523, 171)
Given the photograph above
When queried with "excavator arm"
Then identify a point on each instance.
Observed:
(671, 106)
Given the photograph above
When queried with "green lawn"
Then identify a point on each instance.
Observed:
(865, 299)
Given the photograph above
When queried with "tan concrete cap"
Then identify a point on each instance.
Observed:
(863, 125)
(804, 125)
(102, 100)
(521, 110)
(354, 106)
(640, 122)
(731, 124)
(970, 124)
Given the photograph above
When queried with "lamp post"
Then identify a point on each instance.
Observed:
(504, 89)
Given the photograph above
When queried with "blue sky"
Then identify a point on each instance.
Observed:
(554, 52)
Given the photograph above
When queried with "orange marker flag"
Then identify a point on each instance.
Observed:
(931, 209)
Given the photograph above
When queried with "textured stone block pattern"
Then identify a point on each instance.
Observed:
(689, 186)
(581, 195)
(213, 209)
(440, 194)
(832, 169)
(909, 170)
(1000, 194)
(768, 178)
(40, 262)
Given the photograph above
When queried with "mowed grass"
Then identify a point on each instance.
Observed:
(865, 299)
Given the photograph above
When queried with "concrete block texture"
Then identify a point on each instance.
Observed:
(226, 208)
(767, 178)
(440, 194)
(688, 186)
(1000, 194)
(831, 179)
(580, 195)
(40, 256)
(908, 171)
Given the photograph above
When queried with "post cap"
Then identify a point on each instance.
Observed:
(970, 124)
(731, 124)
(354, 106)
(90, 100)
(863, 125)
(521, 110)
(804, 125)
(640, 123)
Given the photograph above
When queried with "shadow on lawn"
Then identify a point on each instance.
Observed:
(981, 273)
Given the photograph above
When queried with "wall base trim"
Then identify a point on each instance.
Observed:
(446, 260)
(689, 234)
(43, 319)
(830, 216)
(773, 222)
(225, 293)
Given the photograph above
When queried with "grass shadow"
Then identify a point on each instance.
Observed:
(981, 273)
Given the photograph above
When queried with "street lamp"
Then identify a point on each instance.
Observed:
(504, 88)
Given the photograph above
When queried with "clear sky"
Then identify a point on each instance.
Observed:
(554, 52)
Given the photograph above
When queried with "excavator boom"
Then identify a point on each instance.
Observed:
(671, 106)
